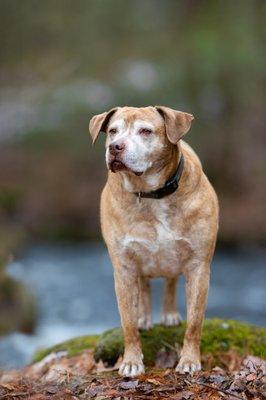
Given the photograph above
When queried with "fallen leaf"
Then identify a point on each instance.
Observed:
(177, 396)
(217, 379)
(166, 359)
(254, 363)
(56, 373)
(52, 389)
(7, 386)
(153, 381)
(251, 377)
(146, 387)
(167, 372)
(129, 384)
(94, 390)
(184, 395)
(111, 393)
(238, 384)
(9, 376)
(219, 370)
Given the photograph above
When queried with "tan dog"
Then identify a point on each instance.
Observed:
(156, 237)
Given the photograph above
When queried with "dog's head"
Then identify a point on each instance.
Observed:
(138, 137)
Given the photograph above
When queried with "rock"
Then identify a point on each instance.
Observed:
(71, 347)
(218, 338)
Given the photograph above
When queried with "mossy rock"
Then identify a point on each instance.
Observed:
(218, 337)
(71, 346)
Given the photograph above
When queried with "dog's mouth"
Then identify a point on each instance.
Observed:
(117, 165)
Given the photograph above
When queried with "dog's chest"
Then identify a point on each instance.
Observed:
(159, 241)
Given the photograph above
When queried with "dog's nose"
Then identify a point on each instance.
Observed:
(116, 148)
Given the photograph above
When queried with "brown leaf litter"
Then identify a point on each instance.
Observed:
(58, 377)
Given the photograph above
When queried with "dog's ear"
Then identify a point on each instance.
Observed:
(99, 122)
(177, 123)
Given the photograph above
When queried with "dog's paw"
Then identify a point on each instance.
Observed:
(187, 365)
(131, 369)
(171, 319)
(145, 323)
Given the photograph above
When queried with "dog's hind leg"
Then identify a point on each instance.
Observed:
(145, 318)
(170, 316)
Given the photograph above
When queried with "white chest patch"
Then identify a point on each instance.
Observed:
(168, 235)
(160, 247)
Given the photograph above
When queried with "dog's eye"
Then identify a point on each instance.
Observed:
(113, 131)
(145, 131)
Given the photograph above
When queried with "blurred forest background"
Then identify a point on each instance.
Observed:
(63, 61)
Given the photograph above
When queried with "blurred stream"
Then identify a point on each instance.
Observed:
(73, 285)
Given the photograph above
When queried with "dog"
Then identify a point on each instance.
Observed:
(159, 218)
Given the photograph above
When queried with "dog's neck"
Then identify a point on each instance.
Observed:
(156, 176)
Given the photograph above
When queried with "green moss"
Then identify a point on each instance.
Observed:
(110, 344)
(218, 337)
(72, 346)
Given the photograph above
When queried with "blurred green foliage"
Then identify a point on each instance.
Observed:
(9, 198)
(63, 61)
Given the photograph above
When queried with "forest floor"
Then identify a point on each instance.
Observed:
(81, 377)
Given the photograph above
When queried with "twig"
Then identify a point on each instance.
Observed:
(160, 389)
(217, 389)
(170, 346)
(193, 381)
(5, 396)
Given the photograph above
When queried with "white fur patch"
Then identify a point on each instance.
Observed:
(138, 147)
(161, 256)
(139, 123)
(118, 124)
(127, 184)
(152, 180)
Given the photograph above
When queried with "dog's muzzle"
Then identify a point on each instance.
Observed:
(116, 165)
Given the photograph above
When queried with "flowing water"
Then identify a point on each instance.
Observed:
(74, 289)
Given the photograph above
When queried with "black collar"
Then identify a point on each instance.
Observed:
(169, 187)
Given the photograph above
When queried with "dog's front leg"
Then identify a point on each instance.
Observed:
(144, 320)
(197, 285)
(127, 292)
